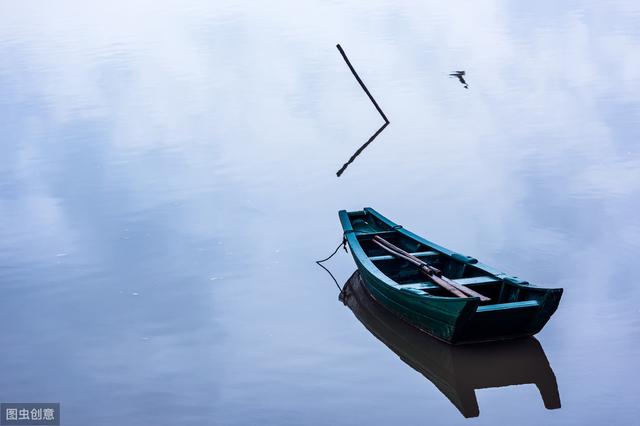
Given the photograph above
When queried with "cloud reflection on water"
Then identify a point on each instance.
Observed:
(161, 144)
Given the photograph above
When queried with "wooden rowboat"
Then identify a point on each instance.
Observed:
(450, 296)
(457, 371)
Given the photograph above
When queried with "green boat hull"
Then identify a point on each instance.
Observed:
(516, 309)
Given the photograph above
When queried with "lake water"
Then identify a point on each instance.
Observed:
(167, 180)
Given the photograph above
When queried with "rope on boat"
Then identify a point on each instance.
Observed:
(342, 244)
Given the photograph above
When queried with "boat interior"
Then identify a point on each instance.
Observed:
(459, 268)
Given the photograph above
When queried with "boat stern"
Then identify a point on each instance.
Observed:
(526, 315)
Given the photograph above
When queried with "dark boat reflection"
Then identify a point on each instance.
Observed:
(457, 371)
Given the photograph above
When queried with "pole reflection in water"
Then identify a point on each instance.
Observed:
(457, 371)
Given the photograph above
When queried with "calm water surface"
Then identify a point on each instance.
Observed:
(167, 179)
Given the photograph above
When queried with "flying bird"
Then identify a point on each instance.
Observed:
(459, 75)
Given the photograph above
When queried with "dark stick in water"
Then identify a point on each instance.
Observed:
(375, 104)
(355, 74)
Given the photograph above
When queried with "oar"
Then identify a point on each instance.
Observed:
(433, 273)
(430, 269)
(432, 276)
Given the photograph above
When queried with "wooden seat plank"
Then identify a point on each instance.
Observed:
(509, 305)
(416, 254)
(476, 280)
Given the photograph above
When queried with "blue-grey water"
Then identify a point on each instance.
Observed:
(167, 179)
